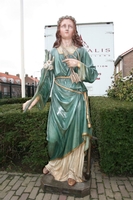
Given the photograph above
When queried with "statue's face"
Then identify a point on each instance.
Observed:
(67, 29)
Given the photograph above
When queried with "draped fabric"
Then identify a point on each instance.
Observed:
(71, 166)
(67, 116)
(67, 127)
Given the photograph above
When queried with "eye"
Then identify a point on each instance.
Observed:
(70, 26)
(63, 26)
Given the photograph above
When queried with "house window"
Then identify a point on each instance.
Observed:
(116, 69)
(121, 65)
(18, 81)
(4, 79)
(5, 90)
(11, 79)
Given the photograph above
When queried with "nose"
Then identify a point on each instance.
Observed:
(67, 28)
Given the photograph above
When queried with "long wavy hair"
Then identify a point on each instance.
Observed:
(76, 38)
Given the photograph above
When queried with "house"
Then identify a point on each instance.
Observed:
(31, 85)
(124, 64)
(31, 80)
(7, 78)
(10, 85)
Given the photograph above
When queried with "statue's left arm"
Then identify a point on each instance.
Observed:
(86, 70)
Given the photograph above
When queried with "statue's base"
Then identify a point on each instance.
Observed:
(48, 184)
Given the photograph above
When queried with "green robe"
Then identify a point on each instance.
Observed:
(67, 122)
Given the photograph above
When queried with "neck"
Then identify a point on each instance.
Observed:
(66, 43)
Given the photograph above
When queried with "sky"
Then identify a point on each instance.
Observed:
(38, 13)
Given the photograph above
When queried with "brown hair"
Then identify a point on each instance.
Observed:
(76, 38)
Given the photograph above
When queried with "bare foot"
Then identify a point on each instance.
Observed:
(45, 171)
(71, 182)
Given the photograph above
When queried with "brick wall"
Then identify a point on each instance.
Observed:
(127, 63)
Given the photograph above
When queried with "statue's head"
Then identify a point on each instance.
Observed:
(76, 39)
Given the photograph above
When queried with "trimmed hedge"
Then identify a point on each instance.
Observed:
(13, 100)
(112, 122)
(16, 100)
(22, 136)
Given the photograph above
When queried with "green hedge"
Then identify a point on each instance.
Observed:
(16, 100)
(22, 136)
(13, 100)
(112, 122)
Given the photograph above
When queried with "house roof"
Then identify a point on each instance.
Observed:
(119, 58)
(34, 79)
(126, 52)
(8, 77)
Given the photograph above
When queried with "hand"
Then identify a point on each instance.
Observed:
(49, 59)
(25, 104)
(72, 62)
(28, 104)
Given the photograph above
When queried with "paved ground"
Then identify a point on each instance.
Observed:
(20, 186)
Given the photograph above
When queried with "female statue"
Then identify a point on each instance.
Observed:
(66, 67)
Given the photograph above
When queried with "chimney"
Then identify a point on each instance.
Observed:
(18, 75)
(31, 76)
(26, 75)
(7, 73)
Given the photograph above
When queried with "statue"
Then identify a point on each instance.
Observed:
(69, 130)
